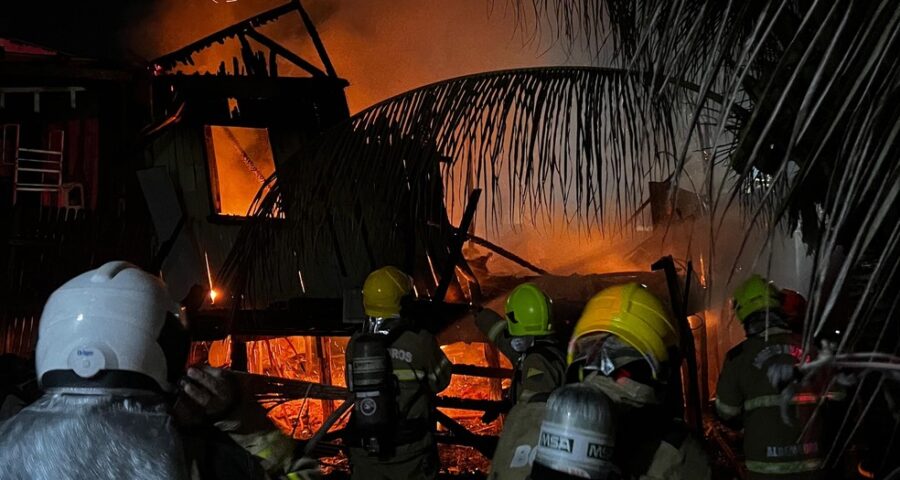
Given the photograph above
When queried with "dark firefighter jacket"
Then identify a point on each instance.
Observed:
(745, 395)
(518, 441)
(649, 444)
(541, 369)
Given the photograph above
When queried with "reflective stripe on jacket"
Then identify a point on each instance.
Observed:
(745, 393)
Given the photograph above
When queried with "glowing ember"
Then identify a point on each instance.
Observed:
(212, 291)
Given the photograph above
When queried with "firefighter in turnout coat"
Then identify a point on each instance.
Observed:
(776, 446)
(625, 343)
(525, 336)
(394, 371)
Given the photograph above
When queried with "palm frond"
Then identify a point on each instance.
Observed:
(818, 152)
(581, 140)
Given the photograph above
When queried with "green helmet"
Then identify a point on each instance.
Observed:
(754, 295)
(528, 311)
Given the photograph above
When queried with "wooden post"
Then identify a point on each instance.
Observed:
(323, 355)
(456, 243)
(496, 383)
(493, 361)
(238, 355)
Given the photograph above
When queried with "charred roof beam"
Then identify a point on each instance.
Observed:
(317, 41)
(284, 52)
(246, 27)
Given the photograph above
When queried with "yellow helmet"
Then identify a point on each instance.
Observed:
(634, 315)
(383, 290)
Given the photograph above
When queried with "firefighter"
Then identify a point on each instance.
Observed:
(625, 344)
(578, 436)
(105, 374)
(525, 336)
(394, 370)
(517, 446)
(110, 358)
(774, 447)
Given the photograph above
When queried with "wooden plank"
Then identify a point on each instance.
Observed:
(183, 54)
(471, 404)
(288, 55)
(317, 41)
(456, 243)
(265, 387)
(479, 371)
(278, 389)
(318, 317)
(484, 444)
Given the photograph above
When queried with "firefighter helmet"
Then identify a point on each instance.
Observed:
(793, 304)
(383, 290)
(528, 311)
(114, 318)
(755, 295)
(578, 435)
(634, 315)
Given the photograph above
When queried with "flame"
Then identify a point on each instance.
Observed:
(242, 161)
(702, 272)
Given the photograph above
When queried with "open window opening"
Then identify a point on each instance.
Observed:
(240, 161)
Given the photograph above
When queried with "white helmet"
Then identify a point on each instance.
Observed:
(105, 324)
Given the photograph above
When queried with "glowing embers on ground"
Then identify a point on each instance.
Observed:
(304, 358)
(459, 459)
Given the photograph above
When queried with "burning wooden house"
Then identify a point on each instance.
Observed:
(269, 248)
(220, 134)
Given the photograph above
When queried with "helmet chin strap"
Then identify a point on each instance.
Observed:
(381, 325)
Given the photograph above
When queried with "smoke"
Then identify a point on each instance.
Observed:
(382, 47)
(386, 47)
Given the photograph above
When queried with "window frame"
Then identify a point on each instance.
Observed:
(212, 181)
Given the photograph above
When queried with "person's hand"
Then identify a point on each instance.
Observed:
(207, 394)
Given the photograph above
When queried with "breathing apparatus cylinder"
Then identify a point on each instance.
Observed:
(370, 378)
(577, 437)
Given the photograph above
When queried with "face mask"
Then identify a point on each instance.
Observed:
(521, 344)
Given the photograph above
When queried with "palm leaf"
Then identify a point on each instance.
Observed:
(820, 148)
(582, 140)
